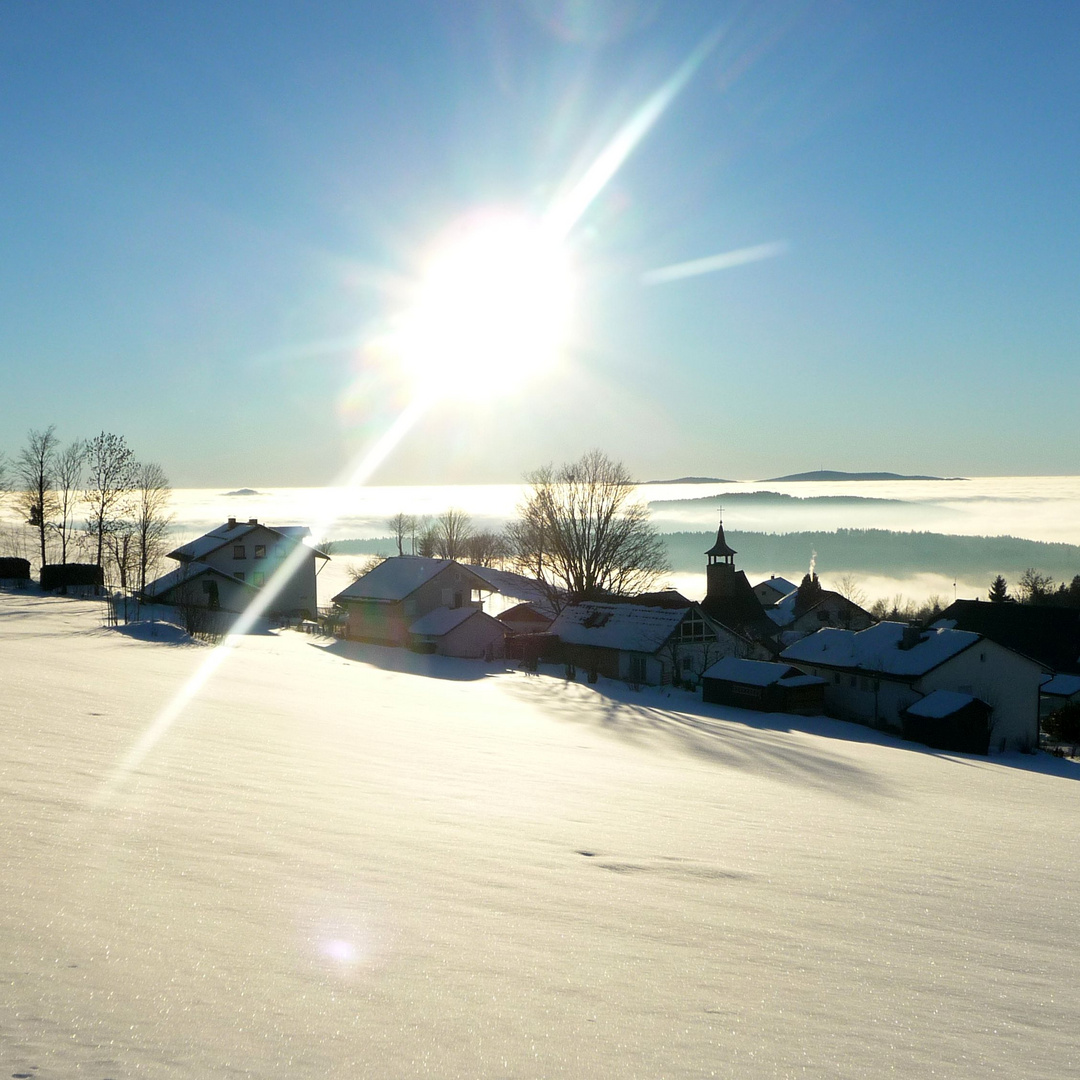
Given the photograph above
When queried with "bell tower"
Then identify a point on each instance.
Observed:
(720, 571)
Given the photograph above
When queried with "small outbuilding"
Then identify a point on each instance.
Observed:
(14, 571)
(464, 632)
(764, 686)
(947, 720)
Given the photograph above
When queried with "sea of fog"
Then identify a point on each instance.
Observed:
(1045, 508)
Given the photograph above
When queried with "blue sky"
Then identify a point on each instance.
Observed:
(208, 210)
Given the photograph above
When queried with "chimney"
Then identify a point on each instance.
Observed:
(911, 637)
(253, 521)
(232, 523)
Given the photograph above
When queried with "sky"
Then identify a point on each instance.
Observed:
(217, 219)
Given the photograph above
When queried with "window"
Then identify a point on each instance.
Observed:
(239, 551)
(239, 575)
(258, 578)
(260, 551)
(206, 585)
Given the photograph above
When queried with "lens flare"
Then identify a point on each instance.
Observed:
(490, 309)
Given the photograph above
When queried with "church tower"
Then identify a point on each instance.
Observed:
(720, 571)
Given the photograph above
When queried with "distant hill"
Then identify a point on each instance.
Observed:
(829, 474)
(772, 498)
(692, 480)
(880, 551)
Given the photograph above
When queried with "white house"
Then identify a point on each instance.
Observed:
(874, 675)
(226, 567)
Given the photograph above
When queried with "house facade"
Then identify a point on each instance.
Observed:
(872, 676)
(382, 606)
(224, 569)
(644, 644)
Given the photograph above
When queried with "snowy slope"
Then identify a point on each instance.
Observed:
(346, 861)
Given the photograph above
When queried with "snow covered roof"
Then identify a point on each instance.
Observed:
(232, 531)
(630, 627)
(878, 648)
(184, 573)
(400, 576)
(442, 620)
(507, 583)
(940, 703)
(781, 585)
(1062, 686)
(752, 672)
(783, 611)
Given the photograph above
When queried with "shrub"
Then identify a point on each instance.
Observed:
(71, 575)
(1063, 725)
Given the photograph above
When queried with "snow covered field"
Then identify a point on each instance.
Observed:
(342, 861)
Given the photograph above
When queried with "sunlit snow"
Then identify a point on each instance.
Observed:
(348, 861)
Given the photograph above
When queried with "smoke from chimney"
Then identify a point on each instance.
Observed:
(813, 562)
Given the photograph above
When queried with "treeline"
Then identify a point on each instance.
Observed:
(882, 551)
(89, 500)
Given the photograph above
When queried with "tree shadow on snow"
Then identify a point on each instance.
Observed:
(736, 738)
(428, 665)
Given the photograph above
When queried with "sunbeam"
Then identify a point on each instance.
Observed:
(466, 310)
(567, 211)
(711, 263)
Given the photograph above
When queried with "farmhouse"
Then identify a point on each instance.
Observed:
(874, 675)
(226, 567)
(642, 643)
(383, 605)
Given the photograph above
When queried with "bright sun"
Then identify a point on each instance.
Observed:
(490, 309)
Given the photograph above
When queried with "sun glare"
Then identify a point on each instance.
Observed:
(490, 308)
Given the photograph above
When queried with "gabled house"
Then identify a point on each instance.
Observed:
(383, 605)
(225, 568)
(643, 644)
(824, 608)
(773, 590)
(873, 676)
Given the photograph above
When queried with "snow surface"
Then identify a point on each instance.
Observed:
(346, 861)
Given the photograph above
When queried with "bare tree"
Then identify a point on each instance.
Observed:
(35, 471)
(452, 530)
(357, 570)
(849, 588)
(110, 466)
(486, 548)
(582, 533)
(69, 476)
(1033, 587)
(402, 527)
(152, 518)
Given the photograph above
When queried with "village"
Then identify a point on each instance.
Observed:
(983, 677)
